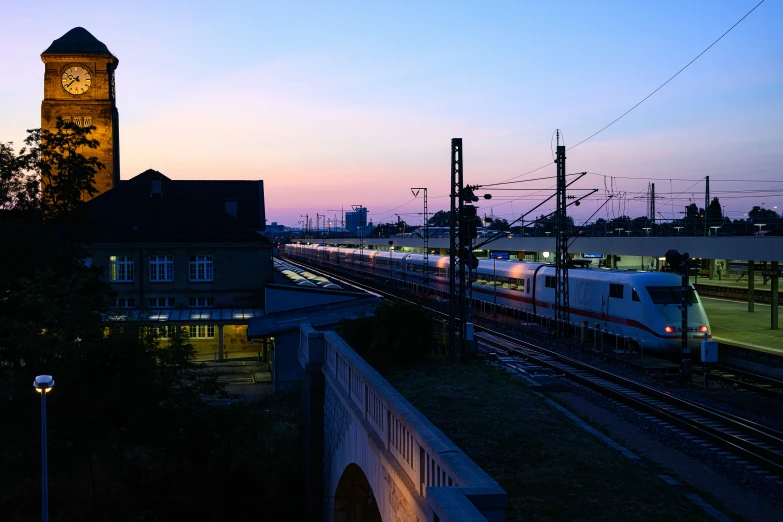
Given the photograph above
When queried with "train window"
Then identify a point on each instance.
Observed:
(528, 285)
(615, 291)
(666, 295)
(550, 282)
(635, 296)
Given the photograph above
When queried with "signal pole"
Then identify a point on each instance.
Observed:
(360, 231)
(706, 203)
(415, 192)
(562, 306)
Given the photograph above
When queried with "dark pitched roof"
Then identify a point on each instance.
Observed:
(249, 196)
(77, 41)
(132, 213)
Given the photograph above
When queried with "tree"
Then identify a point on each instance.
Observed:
(714, 213)
(19, 184)
(66, 175)
(440, 219)
(498, 224)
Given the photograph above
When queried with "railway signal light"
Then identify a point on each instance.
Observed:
(678, 262)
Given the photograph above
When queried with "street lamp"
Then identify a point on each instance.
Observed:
(43, 384)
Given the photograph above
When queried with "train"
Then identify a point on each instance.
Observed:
(645, 307)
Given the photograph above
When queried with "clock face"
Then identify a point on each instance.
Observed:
(76, 79)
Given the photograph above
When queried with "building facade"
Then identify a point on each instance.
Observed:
(182, 261)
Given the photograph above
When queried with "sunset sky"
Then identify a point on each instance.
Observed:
(340, 103)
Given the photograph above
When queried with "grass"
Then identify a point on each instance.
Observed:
(550, 468)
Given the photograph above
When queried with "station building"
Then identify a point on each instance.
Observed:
(181, 259)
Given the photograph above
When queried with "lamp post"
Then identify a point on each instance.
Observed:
(759, 225)
(618, 230)
(715, 230)
(678, 230)
(647, 229)
(43, 384)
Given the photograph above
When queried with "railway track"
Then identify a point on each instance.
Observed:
(748, 443)
(746, 380)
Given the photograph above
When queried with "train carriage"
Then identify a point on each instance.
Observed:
(644, 306)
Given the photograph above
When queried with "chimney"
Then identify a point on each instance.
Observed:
(231, 207)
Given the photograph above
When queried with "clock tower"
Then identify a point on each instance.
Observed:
(79, 87)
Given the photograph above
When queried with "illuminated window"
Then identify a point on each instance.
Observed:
(202, 331)
(164, 332)
(202, 302)
(125, 302)
(121, 269)
(201, 268)
(161, 268)
(161, 302)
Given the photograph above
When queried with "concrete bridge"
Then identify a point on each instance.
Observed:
(370, 455)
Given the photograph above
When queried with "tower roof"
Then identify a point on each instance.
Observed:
(77, 41)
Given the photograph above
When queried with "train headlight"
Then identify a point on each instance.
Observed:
(703, 329)
(670, 329)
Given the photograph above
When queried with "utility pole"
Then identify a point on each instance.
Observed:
(317, 220)
(562, 306)
(461, 256)
(415, 191)
(360, 232)
(651, 202)
(456, 274)
(306, 223)
(706, 203)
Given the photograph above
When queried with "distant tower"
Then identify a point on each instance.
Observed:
(79, 86)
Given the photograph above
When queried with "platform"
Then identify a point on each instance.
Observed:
(731, 323)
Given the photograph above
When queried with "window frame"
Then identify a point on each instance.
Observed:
(613, 290)
(201, 269)
(161, 263)
(195, 331)
(121, 269)
(209, 302)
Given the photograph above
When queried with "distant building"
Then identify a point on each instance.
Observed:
(356, 221)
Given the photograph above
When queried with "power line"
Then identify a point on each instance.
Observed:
(670, 79)
(644, 99)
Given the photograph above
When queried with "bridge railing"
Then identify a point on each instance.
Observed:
(427, 456)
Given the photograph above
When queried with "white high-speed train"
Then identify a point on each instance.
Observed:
(643, 306)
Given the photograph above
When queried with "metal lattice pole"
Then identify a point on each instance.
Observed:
(455, 326)
(426, 269)
(562, 305)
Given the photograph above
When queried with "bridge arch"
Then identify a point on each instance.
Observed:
(354, 499)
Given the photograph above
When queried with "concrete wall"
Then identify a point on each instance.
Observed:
(414, 470)
(287, 372)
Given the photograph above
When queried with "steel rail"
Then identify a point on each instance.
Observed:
(726, 430)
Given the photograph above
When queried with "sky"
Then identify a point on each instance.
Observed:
(341, 103)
